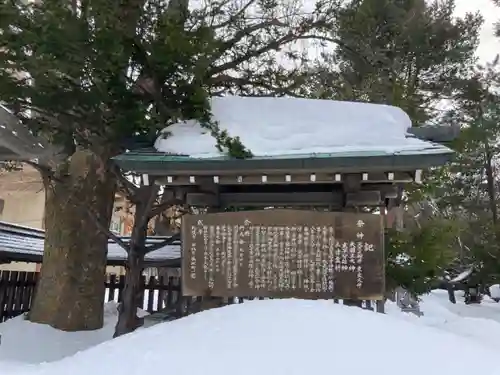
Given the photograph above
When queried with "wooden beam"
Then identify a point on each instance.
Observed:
(274, 196)
(384, 188)
(352, 183)
(302, 199)
(369, 198)
(284, 178)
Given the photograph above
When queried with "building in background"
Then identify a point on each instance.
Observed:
(22, 202)
(22, 197)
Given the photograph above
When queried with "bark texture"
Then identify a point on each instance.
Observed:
(128, 321)
(70, 291)
(131, 295)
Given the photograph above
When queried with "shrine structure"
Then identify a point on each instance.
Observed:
(305, 222)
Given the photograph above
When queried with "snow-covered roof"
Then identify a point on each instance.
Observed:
(17, 142)
(291, 126)
(26, 244)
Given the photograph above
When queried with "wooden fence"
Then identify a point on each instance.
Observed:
(17, 290)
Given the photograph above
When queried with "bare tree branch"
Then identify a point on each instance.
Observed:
(108, 232)
(129, 188)
(45, 172)
(160, 207)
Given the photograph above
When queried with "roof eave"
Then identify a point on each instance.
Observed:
(160, 165)
(435, 133)
(7, 257)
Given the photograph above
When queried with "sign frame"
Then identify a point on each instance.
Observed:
(347, 235)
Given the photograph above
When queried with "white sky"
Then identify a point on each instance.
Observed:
(490, 45)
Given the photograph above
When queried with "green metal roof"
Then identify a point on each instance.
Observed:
(157, 163)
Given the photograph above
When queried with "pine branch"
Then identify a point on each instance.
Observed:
(225, 143)
(233, 18)
(276, 45)
(228, 81)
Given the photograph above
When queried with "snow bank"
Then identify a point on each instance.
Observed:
(495, 291)
(280, 337)
(462, 276)
(26, 342)
(291, 126)
(480, 323)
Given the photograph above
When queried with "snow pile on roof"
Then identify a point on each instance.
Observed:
(281, 337)
(291, 126)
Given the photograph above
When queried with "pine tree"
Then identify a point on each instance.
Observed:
(412, 54)
(469, 188)
(81, 77)
(95, 77)
(406, 53)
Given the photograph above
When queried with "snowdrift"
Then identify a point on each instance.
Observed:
(25, 342)
(280, 337)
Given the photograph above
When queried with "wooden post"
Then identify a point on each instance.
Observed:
(380, 305)
(352, 185)
(392, 213)
(208, 301)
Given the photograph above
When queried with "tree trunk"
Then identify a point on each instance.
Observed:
(490, 179)
(165, 224)
(70, 291)
(127, 318)
(451, 293)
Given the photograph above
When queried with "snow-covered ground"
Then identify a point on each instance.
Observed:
(479, 323)
(272, 337)
(23, 342)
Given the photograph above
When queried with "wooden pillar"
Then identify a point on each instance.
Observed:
(380, 304)
(393, 214)
(208, 301)
(395, 211)
(354, 199)
(351, 187)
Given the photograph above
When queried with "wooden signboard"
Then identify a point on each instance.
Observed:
(283, 253)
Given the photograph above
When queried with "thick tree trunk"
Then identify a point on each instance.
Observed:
(70, 291)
